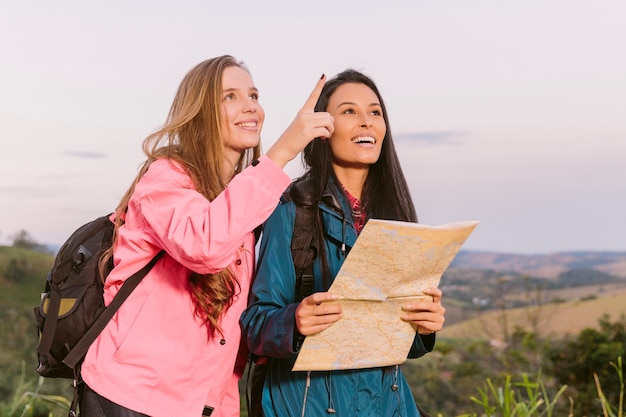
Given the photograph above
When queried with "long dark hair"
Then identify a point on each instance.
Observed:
(386, 193)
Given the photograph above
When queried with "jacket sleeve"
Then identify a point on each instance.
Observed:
(268, 324)
(200, 234)
(422, 344)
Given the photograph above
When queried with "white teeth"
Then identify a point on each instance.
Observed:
(364, 139)
(247, 124)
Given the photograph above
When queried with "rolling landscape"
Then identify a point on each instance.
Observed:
(490, 298)
(565, 292)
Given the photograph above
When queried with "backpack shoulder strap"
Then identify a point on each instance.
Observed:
(304, 249)
(81, 347)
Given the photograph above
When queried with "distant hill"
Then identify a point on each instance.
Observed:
(552, 319)
(544, 266)
(479, 282)
(475, 283)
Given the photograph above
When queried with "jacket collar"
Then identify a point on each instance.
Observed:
(337, 224)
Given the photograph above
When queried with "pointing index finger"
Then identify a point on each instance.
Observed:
(309, 104)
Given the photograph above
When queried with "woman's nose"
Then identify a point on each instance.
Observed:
(250, 106)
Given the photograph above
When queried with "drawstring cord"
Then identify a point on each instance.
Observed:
(343, 238)
(329, 385)
(331, 406)
(394, 386)
(306, 391)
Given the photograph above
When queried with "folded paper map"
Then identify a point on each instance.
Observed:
(391, 263)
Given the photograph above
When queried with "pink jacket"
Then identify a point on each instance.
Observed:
(156, 356)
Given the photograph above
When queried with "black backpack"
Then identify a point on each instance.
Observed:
(72, 312)
(303, 251)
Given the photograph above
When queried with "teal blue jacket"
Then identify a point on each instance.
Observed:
(269, 328)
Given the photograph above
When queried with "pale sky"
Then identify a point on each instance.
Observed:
(508, 112)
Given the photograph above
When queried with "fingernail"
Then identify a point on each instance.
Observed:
(322, 77)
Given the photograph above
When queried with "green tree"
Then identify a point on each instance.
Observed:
(19, 269)
(23, 239)
(575, 360)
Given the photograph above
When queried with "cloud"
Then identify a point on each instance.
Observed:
(19, 195)
(441, 137)
(87, 155)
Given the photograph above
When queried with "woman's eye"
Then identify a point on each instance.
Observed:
(254, 96)
(349, 111)
(377, 113)
(229, 97)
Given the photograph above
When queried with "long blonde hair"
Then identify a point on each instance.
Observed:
(192, 136)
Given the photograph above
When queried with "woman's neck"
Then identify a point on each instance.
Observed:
(352, 179)
(228, 167)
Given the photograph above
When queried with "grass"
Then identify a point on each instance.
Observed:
(609, 410)
(29, 401)
(558, 319)
(528, 398)
(27, 291)
(532, 399)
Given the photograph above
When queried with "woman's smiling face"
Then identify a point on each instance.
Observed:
(242, 115)
(359, 126)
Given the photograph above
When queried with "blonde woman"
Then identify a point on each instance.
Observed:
(172, 348)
